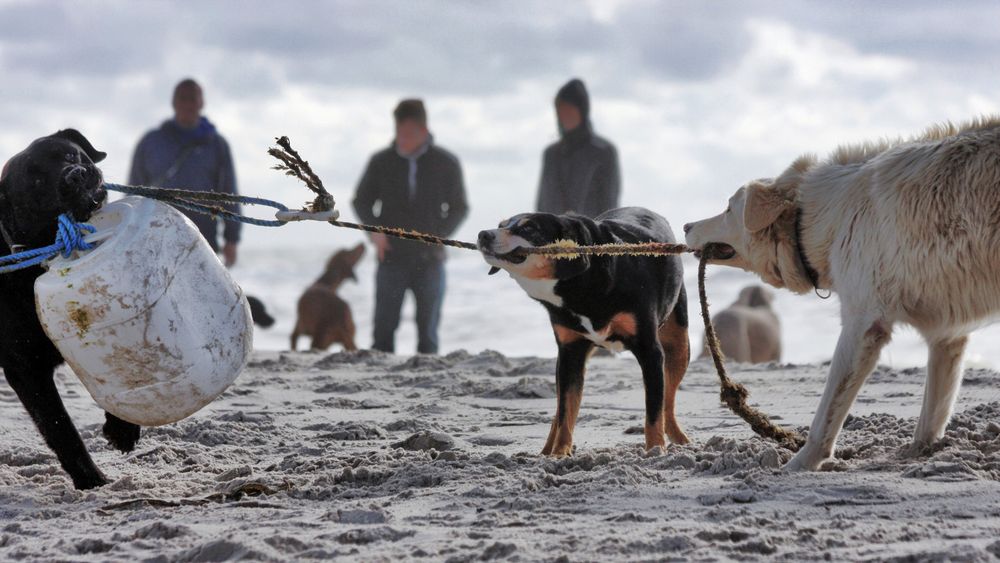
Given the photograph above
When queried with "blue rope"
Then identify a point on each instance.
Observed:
(192, 200)
(69, 238)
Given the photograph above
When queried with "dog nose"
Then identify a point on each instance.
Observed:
(76, 175)
(486, 237)
(687, 228)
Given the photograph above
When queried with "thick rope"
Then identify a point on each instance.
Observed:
(69, 237)
(200, 202)
(734, 394)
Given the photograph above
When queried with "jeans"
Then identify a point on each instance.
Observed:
(426, 279)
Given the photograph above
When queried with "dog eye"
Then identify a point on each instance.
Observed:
(70, 157)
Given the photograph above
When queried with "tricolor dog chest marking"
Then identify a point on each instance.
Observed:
(543, 290)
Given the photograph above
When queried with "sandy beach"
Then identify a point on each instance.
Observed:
(374, 457)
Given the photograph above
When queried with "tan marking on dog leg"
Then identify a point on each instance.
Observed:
(563, 444)
(622, 324)
(565, 335)
(676, 355)
(553, 430)
(654, 434)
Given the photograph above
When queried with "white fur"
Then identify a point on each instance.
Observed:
(904, 232)
(599, 337)
(542, 289)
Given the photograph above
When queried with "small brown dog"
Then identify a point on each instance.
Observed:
(322, 314)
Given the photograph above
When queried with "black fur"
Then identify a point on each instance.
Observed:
(54, 175)
(601, 287)
(259, 313)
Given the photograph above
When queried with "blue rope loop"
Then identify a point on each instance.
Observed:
(70, 235)
(200, 202)
(69, 238)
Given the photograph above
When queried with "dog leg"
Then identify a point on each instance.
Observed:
(38, 393)
(676, 356)
(121, 434)
(944, 376)
(348, 330)
(295, 336)
(570, 368)
(861, 340)
(650, 357)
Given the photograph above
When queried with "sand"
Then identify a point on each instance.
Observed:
(375, 457)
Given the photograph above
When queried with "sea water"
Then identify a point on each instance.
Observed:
(492, 312)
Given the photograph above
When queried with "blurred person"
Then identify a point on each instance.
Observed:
(580, 171)
(186, 152)
(417, 185)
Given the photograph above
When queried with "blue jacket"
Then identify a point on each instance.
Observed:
(190, 159)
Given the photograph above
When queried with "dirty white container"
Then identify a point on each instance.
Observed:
(150, 320)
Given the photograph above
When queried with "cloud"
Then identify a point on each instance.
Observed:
(698, 96)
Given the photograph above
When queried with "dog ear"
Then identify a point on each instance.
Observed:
(574, 228)
(76, 137)
(358, 251)
(763, 207)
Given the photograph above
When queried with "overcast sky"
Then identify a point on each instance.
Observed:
(698, 96)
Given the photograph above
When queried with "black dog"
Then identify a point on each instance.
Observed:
(259, 313)
(636, 303)
(54, 175)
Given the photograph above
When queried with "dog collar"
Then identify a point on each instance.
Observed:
(14, 248)
(811, 272)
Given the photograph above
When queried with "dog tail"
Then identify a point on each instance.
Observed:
(681, 308)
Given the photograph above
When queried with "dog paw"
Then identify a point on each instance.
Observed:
(562, 451)
(90, 481)
(916, 449)
(120, 434)
(804, 461)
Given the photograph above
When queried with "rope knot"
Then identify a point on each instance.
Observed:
(70, 235)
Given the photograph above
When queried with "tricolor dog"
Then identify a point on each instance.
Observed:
(636, 303)
(904, 232)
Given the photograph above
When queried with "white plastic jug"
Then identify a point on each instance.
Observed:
(150, 320)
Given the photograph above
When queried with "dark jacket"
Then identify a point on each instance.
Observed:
(579, 172)
(191, 159)
(437, 206)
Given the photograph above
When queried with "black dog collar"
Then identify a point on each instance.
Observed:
(811, 272)
(14, 248)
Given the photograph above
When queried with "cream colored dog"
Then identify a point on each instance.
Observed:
(904, 232)
(748, 330)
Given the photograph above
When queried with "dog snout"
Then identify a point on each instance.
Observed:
(486, 238)
(75, 175)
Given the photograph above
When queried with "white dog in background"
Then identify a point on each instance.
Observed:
(904, 231)
(748, 330)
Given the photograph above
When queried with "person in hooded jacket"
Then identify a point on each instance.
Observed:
(417, 185)
(580, 171)
(186, 152)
